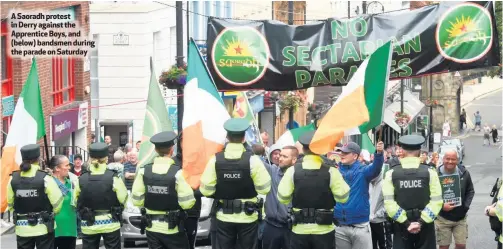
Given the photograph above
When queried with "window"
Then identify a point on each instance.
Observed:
(63, 81)
(7, 83)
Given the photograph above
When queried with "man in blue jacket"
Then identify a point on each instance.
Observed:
(353, 229)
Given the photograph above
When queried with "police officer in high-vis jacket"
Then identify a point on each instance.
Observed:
(497, 210)
(162, 190)
(412, 197)
(313, 188)
(99, 197)
(34, 197)
(233, 178)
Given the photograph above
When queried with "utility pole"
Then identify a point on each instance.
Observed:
(364, 7)
(290, 22)
(179, 63)
(430, 129)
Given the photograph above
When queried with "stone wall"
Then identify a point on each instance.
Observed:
(445, 96)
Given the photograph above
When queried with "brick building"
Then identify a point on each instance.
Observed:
(64, 82)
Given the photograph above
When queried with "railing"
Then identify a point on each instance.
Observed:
(68, 151)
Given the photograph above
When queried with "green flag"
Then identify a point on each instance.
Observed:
(156, 120)
(367, 144)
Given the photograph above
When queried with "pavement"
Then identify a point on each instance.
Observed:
(477, 91)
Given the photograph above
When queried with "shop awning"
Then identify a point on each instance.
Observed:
(412, 106)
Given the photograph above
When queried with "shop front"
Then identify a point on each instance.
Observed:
(68, 130)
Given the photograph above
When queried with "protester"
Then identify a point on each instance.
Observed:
(265, 140)
(424, 157)
(111, 149)
(130, 169)
(138, 144)
(276, 234)
(377, 216)
(446, 129)
(66, 219)
(353, 216)
(462, 119)
(434, 160)
(79, 167)
(117, 165)
(451, 221)
(274, 153)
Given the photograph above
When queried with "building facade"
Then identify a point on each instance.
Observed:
(64, 82)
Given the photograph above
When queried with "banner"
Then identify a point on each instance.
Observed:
(271, 55)
(451, 189)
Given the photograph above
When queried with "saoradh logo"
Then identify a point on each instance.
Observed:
(240, 55)
(464, 33)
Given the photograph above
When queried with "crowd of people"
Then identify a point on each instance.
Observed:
(264, 197)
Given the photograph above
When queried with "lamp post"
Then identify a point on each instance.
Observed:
(274, 98)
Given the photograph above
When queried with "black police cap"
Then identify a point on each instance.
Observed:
(30, 152)
(305, 139)
(411, 142)
(164, 139)
(98, 150)
(236, 126)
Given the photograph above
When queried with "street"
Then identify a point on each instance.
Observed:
(489, 107)
(484, 164)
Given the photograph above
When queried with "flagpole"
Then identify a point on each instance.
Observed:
(46, 151)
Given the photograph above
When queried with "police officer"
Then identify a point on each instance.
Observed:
(497, 210)
(313, 188)
(233, 178)
(34, 197)
(100, 196)
(412, 197)
(162, 190)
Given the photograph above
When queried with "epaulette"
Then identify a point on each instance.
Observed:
(14, 172)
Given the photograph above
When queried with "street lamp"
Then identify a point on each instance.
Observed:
(274, 98)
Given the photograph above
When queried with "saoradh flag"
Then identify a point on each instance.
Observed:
(290, 137)
(27, 127)
(156, 120)
(360, 106)
(204, 116)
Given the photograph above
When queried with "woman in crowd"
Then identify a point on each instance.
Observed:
(66, 219)
(434, 160)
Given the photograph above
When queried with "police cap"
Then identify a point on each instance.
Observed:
(98, 150)
(305, 139)
(164, 139)
(30, 152)
(411, 142)
(236, 126)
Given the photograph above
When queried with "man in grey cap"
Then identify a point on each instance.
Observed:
(353, 229)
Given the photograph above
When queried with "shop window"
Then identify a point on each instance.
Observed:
(7, 83)
(63, 81)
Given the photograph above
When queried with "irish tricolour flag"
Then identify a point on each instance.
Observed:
(27, 127)
(360, 106)
(290, 137)
(203, 118)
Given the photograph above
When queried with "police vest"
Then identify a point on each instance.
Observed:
(160, 189)
(234, 178)
(412, 187)
(29, 193)
(96, 191)
(312, 188)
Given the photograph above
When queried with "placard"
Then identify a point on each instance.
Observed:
(451, 189)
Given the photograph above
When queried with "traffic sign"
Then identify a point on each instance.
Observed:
(457, 74)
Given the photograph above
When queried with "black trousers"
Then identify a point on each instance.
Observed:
(191, 230)
(237, 235)
(167, 241)
(276, 237)
(42, 242)
(425, 239)
(65, 242)
(111, 240)
(313, 241)
(213, 232)
(378, 238)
